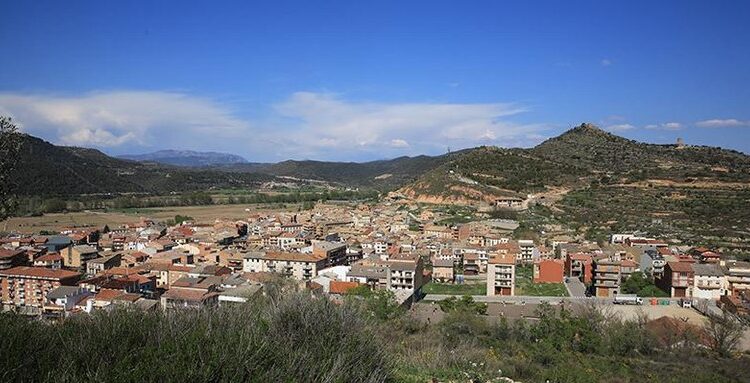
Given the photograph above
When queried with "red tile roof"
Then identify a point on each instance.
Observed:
(38, 272)
(340, 287)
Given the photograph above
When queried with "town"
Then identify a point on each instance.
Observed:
(335, 248)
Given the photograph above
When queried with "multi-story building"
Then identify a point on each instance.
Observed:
(11, 258)
(738, 277)
(298, 265)
(98, 265)
(501, 274)
(709, 282)
(26, 288)
(549, 271)
(579, 265)
(606, 277)
(653, 262)
(526, 254)
(77, 256)
(394, 275)
(677, 280)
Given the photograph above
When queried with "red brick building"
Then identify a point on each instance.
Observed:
(677, 279)
(549, 271)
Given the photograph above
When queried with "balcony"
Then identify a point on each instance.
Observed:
(600, 283)
(609, 276)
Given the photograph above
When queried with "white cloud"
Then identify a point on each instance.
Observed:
(665, 126)
(326, 120)
(722, 123)
(112, 119)
(399, 143)
(605, 62)
(619, 128)
(305, 125)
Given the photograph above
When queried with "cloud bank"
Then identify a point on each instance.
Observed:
(722, 123)
(305, 125)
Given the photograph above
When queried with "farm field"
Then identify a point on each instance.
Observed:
(202, 214)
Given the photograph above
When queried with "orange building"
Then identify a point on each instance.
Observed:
(578, 265)
(549, 271)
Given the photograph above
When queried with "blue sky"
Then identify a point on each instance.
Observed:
(344, 80)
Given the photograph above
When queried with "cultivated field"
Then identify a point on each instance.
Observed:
(202, 214)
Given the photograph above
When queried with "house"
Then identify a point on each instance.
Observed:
(49, 260)
(709, 282)
(677, 280)
(62, 300)
(26, 288)
(501, 274)
(549, 271)
(340, 288)
(443, 270)
(98, 265)
(189, 292)
(239, 294)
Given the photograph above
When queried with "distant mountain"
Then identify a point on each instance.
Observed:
(46, 169)
(382, 174)
(186, 158)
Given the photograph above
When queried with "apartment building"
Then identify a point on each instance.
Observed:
(77, 256)
(298, 265)
(501, 274)
(738, 277)
(677, 280)
(709, 282)
(395, 275)
(25, 287)
(526, 254)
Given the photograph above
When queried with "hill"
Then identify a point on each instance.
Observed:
(186, 158)
(597, 183)
(48, 170)
(382, 174)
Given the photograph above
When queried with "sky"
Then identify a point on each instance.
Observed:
(358, 81)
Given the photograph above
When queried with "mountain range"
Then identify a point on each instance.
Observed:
(186, 158)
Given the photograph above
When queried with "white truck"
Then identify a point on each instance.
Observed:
(628, 299)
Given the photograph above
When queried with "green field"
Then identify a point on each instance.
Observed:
(525, 286)
(451, 289)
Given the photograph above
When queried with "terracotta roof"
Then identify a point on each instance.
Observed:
(340, 287)
(682, 267)
(38, 272)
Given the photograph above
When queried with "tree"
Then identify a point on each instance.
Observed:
(10, 146)
(724, 332)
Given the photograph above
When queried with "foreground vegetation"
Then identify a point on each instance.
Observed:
(292, 337)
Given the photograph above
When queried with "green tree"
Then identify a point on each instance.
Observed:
(10, 147)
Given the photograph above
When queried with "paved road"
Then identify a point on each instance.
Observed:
(575, 287)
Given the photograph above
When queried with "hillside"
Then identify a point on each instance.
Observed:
(383, 174)
(596, 182)
(46, 170)
(186, 158)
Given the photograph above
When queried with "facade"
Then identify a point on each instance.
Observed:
(98, 265)
(501, 274)
(443, 270)
(709, 282)
(677, 280)
(298, 265)
(606, 277)
(579, 265)
(549, 271)
(526, 254)
(738, 277)
(27, 287)
(77, 256)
